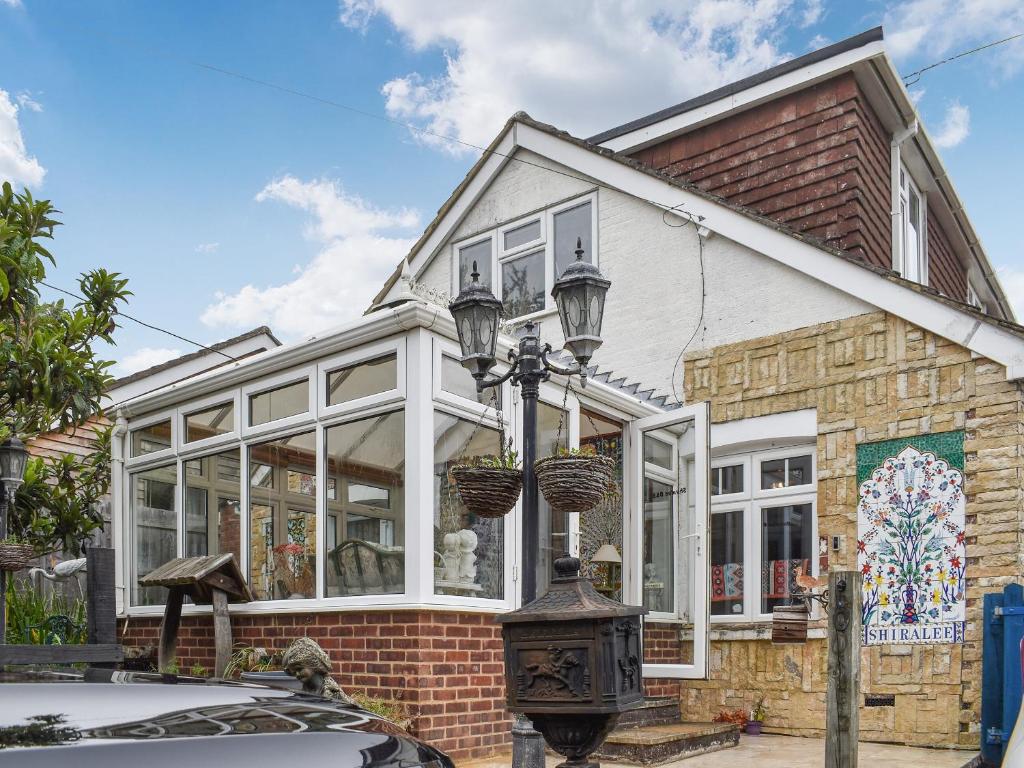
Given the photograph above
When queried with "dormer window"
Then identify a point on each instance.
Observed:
(974, 299)
(913, 235)
(521, 260)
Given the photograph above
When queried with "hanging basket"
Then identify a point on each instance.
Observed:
(488, 491)
(574, 483)
(15, 556)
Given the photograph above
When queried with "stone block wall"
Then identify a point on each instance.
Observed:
(873, 377)
(447, 666)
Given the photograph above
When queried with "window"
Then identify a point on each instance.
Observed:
(604, 523)
(913, 237)
(212, 508)
(282, 518)
(552, 435)
(362, 380)
(761, 537)
(974, 298)
(155, 437)
(520, 260)
(456, 380)
(366, 458)
(469, 551)
(154, 527)
(273, 404)
(660, 524)
(210, 422)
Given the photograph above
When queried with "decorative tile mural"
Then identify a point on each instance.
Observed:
(910, 539)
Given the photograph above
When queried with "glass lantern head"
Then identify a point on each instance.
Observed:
(13, 457)
(477, 313)
(579, 294)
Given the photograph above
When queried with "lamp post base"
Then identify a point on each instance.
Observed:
(527, 745)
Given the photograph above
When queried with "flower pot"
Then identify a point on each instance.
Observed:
(15, 556)
(574, 483)
(488, 491)
(753, 728)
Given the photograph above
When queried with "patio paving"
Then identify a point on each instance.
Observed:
(786, 752)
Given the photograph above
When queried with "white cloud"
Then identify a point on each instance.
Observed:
(12, 3)
(934, 29)
(818, 41)
(360, 245)
(145, 357)
(16, 166)
(1012, 280)
(207, 247)
(955, 126)
(583, 66)
(26, 101)
(812, 13)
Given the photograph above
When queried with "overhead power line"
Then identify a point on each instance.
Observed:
(917, 75)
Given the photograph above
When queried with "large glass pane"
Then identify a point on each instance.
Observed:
(212, 508)
(366, 510)
(282, 519)
(571, 224)
(279, 403)
(725, 480)
(659, 545)
(155, 437)
(658, 452)
(552, 435)
(785, 547)
(798, 470)
(479, 253)
(783, 473)
(522, 235)
(210, 422)
(727, 563)
(154, 527)
(469, 551)
(603, 524)
(522, 284)
(458, 381)
(366, 378)
(773, 474)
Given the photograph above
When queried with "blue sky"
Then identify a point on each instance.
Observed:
(229, 204)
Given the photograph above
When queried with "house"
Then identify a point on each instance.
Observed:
(804, 345)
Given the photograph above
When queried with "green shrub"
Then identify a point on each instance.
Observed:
(27, 609)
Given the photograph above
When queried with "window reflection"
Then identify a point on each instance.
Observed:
(279, 403)
(212, 509)
(479, 253)
(155, 530)
(603, 524)
(522, 284)
(571, 224)
(155, 437)
(469, 551)
(210, 422)
(785, 547)
(727, 563)
(366, 506)
(282, 519)
(367, 378)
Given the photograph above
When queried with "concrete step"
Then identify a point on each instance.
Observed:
(654, 711)
(655, 744)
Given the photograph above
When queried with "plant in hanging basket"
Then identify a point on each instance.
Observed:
(575, 480)
(15, 554)
(489, 486)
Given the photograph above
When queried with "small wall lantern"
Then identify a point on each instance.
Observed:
(573, 663)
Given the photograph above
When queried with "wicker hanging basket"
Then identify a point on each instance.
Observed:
(574, 483)
(488, 491)
(15, 556)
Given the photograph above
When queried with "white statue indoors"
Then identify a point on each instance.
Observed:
(450, 557)
(467, 556)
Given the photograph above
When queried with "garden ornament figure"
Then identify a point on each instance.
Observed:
(306, 662)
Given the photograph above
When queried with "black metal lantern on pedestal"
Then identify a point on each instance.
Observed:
(573, 663)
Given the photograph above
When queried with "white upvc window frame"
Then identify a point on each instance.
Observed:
(759, 457)
(156, 457)
(365, 354)
(757, 519)
(207, 444)
(500, 255)
(750, 575)
(443, 348)
(288, 423)
(919, 272)
(131, 528)
(718, 463)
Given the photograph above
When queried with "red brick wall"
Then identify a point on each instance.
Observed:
(944, 269)
(447, 666)
(662, 645)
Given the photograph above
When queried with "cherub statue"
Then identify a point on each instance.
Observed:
(306, 662)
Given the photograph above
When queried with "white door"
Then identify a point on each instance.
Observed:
(666, 569)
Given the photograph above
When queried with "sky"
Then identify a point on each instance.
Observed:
(230, 203)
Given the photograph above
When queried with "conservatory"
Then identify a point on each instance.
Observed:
(324, 468)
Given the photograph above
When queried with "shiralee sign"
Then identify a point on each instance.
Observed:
(910, 540)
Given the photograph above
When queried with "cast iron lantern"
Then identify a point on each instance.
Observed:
(477, 312)
(13, 457)
(573, 663)
(579, 294)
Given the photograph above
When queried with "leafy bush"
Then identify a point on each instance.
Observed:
(27, 608)
(395, 710)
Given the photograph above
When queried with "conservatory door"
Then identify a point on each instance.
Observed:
(666, 568)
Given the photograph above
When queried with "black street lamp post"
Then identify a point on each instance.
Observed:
(13, 457)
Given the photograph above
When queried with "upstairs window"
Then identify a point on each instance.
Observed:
(974, 299)
(519, 261)
(913, 235)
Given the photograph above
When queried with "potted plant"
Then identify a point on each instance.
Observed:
(757, 716)
(575, 480)
(15, 554)
(489, 486)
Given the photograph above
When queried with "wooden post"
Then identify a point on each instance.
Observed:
(168, 651)
(221, 632)
(842, 721)
(101, 611)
